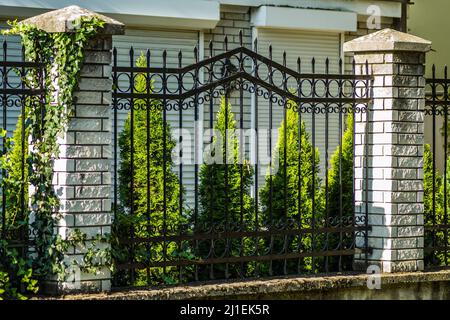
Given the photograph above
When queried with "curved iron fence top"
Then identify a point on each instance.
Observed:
(12, 75)
(244, 65)
(437, 95)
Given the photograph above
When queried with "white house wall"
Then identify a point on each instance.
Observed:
(303, 19)
(193, 14)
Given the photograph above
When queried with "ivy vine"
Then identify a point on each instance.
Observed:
(62, 55)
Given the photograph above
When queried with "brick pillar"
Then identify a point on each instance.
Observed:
(82, 175)
(395, 151)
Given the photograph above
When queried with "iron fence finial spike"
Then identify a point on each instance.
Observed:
(196, 53)
(164, 55)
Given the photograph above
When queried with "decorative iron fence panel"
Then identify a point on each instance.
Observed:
(436, 166)
(16, 94)
(298, 221)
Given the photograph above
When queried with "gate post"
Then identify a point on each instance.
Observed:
(81, 174)
(395, 137)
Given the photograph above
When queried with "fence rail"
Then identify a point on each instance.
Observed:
(239, 217)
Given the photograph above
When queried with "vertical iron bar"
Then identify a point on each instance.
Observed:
(241, 151)
(446, 88)
(211, 127)
(196, 138)
(226, 87)
(434, 109)
(285, 189)
(299, 168)
(341, 88)
(327, 91)
(5, 97)
(115, 106)
(180, 141)
(131, 54)
(148, 110)
(23, 229)
(271, 223)
(256, 150)
(341, 245)
(197, 144)
(115, 87)
(164, 87)
(313, 160)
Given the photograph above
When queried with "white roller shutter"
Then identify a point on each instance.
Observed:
(158, 41)
(14, 53)
(306, 45)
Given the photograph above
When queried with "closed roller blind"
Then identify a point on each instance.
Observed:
(158, 41)
(14, 53)
(306, 45)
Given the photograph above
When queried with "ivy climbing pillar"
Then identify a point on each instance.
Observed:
(81, 172)
(393, 144)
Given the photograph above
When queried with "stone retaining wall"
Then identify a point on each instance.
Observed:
(418, 285)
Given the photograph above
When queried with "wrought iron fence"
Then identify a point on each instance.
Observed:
(191, 203)
(436, 166)
(16, 93)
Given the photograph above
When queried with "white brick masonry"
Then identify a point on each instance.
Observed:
(395, 152)
(82, 176)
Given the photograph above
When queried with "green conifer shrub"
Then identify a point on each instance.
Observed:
(443, 239)
(434, 238)
(340, 178)
(156, 222)
(15, 268)
(13, 182)
(220, 201)
(274, 210)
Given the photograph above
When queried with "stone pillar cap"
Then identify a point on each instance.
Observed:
(64, 20)
(388, 40)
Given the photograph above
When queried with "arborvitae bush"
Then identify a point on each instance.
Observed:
(142, 223)
(340, 178)
(438, 216)
(274, 210)
(13, 181)
(444, 259)
(15, 270)
(220, 201)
